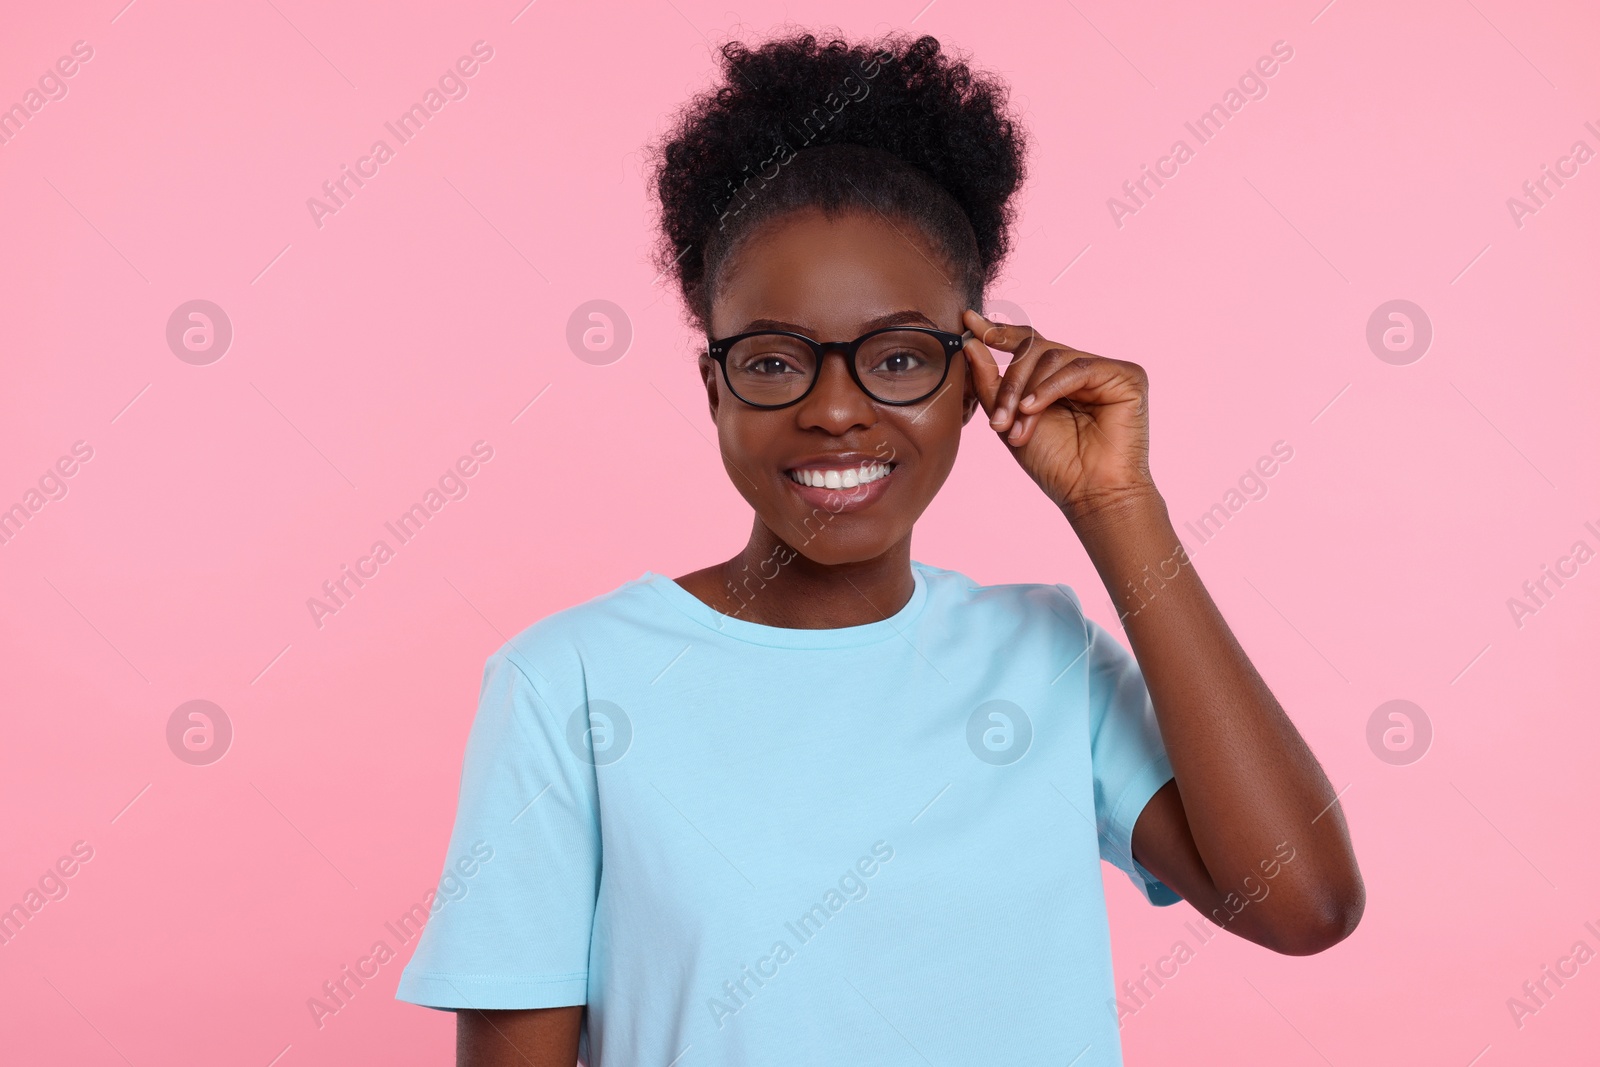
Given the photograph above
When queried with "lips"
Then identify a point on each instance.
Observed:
(840, 481)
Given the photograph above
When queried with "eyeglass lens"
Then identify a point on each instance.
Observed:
(895, 366)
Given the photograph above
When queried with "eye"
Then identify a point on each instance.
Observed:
(769, 364)
(899, 361)
(770, 356)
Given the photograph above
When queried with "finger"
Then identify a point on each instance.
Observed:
(1004, 336)
(1086, 386)
(1024, 375)
(1026, 346)
(1022, 421)
(989, 383)
(1022, 430)
(985, 372)
(1090, 379)
(1047, 363)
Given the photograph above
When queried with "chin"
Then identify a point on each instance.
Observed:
(833, 539)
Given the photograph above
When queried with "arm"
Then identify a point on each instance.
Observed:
(1249, 817)
(533, 1037)
(1247, 831)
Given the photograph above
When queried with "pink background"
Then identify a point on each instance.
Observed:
(368, 354)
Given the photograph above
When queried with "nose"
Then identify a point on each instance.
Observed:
(836, 404)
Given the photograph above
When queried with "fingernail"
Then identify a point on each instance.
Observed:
(1028, 400)
(1016, 432)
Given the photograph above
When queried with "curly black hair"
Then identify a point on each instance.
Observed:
(894, 125)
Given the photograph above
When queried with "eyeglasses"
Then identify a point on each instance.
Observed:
(895, 365)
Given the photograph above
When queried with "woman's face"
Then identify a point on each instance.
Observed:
(834, 279)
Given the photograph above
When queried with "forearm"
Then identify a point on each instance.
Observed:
(1248, 782)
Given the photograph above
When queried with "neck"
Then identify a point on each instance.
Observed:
(773, 584)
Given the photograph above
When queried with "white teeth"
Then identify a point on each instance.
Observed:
(848, 478)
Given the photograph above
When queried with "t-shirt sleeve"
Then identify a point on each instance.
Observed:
(511, 922)
(1129, 760)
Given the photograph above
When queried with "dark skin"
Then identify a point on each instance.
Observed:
(1246, 791)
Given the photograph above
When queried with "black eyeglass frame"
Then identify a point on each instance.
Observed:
(952, 342)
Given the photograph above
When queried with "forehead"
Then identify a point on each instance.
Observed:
(831, 274)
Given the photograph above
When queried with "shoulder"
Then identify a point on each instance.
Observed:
(950, 590)
(1021, 618)
(550, 651)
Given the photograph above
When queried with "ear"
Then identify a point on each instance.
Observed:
(969, 393)
(713, 383)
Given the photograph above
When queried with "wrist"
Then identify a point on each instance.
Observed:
(1123, 532)
(1117, 510)
(1131, 542)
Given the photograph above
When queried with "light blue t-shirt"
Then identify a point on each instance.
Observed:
(745, 844)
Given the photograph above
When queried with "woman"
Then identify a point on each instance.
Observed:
(822, 803)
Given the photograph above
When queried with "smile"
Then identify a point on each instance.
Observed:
(847, 478)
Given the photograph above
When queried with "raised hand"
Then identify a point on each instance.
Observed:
(1078, 423)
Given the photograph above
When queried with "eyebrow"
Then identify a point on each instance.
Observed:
(894, 318)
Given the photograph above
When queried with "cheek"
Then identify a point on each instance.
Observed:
(743, 436)
(744, 440)
(945, 421)
(934, 441)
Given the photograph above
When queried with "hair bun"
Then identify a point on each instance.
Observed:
(899, 95)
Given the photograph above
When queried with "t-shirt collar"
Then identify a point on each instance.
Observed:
(784, 637)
